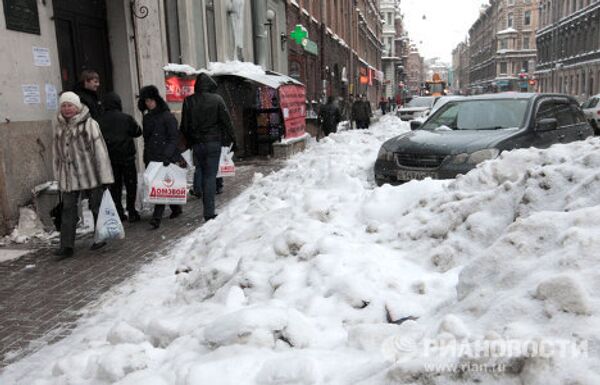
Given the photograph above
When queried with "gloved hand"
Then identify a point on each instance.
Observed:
(166, 163)
(233, 147)
(105, 186)
(182, 163)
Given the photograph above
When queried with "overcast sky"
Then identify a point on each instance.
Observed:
(446, 24)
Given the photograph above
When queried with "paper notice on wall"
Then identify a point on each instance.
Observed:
(51, 97)
(41, 57)
(31, 93)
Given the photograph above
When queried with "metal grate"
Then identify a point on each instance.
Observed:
(421, 161)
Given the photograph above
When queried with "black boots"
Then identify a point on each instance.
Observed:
(63, 253)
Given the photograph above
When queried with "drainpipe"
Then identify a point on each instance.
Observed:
(259, 9)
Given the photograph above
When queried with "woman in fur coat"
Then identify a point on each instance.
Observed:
(81, 166)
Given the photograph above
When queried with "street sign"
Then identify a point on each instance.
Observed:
(299, 34)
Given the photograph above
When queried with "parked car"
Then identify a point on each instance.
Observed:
(418, 107)
(443, 100)
(591, 109)
(465, 132)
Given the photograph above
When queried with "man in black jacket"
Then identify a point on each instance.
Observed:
(329, 116)
(87, 90)
(206, 125)
(118, 130)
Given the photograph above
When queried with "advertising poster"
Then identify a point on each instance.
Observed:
(293, 104)
(179, 88)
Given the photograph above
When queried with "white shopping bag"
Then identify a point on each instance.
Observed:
(139, 194)
(165, 185)
(226, 165)
(108, 225)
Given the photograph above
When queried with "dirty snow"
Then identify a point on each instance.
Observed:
(315, 276)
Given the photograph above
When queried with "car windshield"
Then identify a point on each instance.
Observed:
(490, 114)
(591, 103)
(421, 102)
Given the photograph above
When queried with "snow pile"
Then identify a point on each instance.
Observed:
(314, 276)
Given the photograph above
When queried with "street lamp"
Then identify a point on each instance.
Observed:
(270, 17)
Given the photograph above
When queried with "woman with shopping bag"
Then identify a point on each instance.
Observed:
(161, 137)
(81, 166)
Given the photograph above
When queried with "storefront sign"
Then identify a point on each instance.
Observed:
(310, 47)
(292, 99)
(364, 76)
(179, 88)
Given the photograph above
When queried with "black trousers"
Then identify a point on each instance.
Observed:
(125, 173)
(69, 215)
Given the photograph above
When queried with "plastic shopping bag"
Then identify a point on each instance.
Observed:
(165, 185)
(226, 165)
(109, 224)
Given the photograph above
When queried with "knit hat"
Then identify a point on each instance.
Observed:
(70, 97)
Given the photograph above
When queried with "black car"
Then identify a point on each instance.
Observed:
(465, 132)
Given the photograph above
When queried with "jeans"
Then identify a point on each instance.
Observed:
(206, 157)
(125, 173)
(69, 215)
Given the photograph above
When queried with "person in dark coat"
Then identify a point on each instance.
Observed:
(329, 116)
(161, 138)
(206, 125)
(383, 105)
(118, 130)
(87, 90)
(361, 112)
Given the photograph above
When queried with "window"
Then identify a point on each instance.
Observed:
(525, 66)
(172, 27)
(503, 43)
(509, 20)
(526, 42)
(564, 115)
(211, 30)
(527, 18)
(503, 68)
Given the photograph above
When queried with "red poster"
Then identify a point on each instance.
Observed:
(292, 99)
(179, 88)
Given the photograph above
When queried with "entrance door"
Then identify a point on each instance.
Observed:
(82, 36)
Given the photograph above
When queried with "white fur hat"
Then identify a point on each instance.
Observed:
(70, 97)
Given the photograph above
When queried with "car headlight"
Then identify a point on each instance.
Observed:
(483, 155)
(475, 157)
(384, 154)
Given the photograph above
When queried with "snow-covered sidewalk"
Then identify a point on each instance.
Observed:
(315, 276)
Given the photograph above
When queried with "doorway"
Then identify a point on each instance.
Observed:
(82, 38)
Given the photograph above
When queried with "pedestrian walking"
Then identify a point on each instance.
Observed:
(206, 125)
(329, 116)
(81, 166)
(161, 138)
(362, 112)
(87, 90)
(383, 105)
(119, 129)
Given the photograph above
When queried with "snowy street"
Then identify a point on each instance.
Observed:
(313, 275)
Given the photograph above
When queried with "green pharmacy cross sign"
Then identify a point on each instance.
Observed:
(299, 34)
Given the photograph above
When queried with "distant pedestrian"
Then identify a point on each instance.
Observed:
(81, 166)
(119, 129)
(87, 90)
(329, 117)
(362, 112)
(161, 138)
(206, 125)
(383, 105)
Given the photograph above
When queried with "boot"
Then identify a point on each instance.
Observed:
(63, 253)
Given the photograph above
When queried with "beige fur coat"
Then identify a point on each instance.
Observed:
(81, 159)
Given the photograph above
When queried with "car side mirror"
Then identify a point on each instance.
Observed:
(414, 124)
(546, 124)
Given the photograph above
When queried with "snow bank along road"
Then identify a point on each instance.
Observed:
(314, 276)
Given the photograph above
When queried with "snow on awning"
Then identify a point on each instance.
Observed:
(269, 78)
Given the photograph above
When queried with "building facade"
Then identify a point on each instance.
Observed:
(127, 43)
(503, 50)
(390, 12)
(415, 72)
(568, 42)
(460, 68)
(343, 53)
